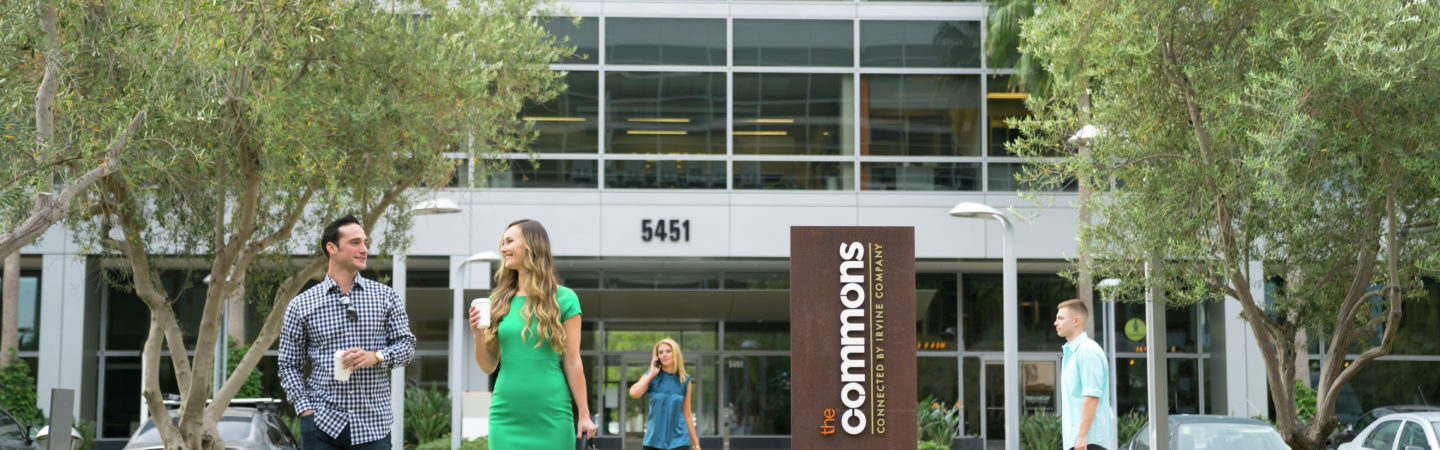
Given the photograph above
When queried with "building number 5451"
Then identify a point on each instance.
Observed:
(672, 230)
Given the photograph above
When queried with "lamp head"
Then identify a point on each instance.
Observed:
(435, 206)
(487, 256)
(978, 211)
(1108, 283)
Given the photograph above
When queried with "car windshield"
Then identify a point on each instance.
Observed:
(1228, 436)
(232, 428)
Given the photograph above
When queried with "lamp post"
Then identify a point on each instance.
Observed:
(437, 206)
(457, 358)
(1109, 285)
(1011, 316)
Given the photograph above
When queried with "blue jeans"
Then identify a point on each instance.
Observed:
(313, 438)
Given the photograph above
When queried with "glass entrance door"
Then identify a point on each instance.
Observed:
(1038, 378)
(637, 410)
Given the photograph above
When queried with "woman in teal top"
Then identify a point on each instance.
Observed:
(537, 324)
(669, 425)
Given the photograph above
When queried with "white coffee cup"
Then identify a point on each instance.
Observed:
(341, 373)
(483, 303)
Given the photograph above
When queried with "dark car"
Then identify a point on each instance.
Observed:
(1350, 431)
(246, 424)
(1191, 432)
(13, 434)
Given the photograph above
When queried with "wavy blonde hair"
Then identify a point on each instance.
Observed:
(541, 284)
(675, 352)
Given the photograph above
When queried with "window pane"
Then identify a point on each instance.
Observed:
(1419, 332)
(665, 113)
(920, 115)
(545, 174)
(919, 43)
(1038, 296)
(794, 43)
(757, 389)
(920, 176)
(935, 313)
(27, 321)
(1003, 103)
(655, 174)
(641, 337)
(794, 114)
(1002, 178)
(1395, 383)
(793, 175)
(757, 280)
(1180, 329)
(662, 280)
(1130, 389)
(570, 122)
(429, 371)
(757, 335)
(665, 41)
(938, 377)
(585, 37)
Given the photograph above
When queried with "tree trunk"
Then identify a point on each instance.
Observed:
(9, 333)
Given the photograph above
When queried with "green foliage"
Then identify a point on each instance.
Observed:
(443, 443)
(1301, 135)
(1305, 399)
(251, 388)
(1129, 424)
(17, 392)
(933, 445)
(87, 433)
(1040, 431)
(937, 422)
(427, 414)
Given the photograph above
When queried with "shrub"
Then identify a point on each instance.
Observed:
(1040, 431)
(427, 415)
(1128, 425)
(932, 445)
(17, 391)
(938, 423)
(443, 443)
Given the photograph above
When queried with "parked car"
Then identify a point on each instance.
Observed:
(1399, 431)
(1191, 432)
(13, 434)
(246, 424)
(1350, 431)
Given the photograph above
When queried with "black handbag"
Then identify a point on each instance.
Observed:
(586, 442)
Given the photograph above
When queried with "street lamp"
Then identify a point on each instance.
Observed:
(1109, 285)
(457, 359)
(1012, 316)
(437, 205)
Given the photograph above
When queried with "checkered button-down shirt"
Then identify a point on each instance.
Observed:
(316, 325)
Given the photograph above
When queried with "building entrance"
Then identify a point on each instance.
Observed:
(1038, 387)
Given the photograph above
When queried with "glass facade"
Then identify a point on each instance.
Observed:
(770, 104)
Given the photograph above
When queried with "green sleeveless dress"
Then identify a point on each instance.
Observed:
(530, 408)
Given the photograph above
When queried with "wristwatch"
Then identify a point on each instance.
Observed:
(379, 357)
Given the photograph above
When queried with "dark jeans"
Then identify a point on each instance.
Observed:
(313, 438)
(686, 447)
(1087, 447)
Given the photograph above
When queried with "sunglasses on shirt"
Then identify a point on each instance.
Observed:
(349, 310)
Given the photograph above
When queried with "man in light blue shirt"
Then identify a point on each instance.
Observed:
(1087, 423)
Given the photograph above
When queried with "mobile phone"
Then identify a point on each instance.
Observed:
(657, 363)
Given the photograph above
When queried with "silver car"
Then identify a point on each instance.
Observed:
(1399, 431)
(244, 425)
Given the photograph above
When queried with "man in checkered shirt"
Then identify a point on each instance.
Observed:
(363, 318)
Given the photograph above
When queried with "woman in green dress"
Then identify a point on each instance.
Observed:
(537, 336)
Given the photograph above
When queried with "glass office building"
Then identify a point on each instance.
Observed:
(692, 136)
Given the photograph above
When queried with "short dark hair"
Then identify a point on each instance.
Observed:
(332, 233)
(1077, 306)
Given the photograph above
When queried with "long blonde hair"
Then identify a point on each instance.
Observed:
(540, 289)
(675, 356)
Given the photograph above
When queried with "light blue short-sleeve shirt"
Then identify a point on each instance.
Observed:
(1085, 373)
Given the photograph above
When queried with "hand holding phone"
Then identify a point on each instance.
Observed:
(656, 363)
